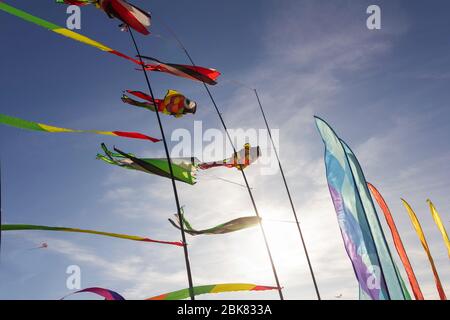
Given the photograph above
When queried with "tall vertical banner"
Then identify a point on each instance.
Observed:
(437, 219)
(390, 271)
(397, 242)
(358, 239)
(419, 231)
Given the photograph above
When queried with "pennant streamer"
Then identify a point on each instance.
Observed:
(214, 288)
(62, 31)
(20, 227)
(183, 168)
(437, 219)
(105, 293)
(34, 126)
(397, 242)
(419, 231)
(355, 229)
(227, 227)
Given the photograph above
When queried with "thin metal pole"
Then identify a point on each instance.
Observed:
(274, 270)
(169, 160)
(289, 196)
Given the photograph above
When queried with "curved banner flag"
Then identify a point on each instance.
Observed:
(174, 103)
(227, 227)
(205, 75)
(214, 288)
(390, 272)
(437, 219)
(355, 229)
(397, 242)
(20, 227)
(34, 126)
(105, 293)
(62, 31)
(421, 235)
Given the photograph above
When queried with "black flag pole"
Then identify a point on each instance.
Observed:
(169, 160)
(289, 196)
(244, 176)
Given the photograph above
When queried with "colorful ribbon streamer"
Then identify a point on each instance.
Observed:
(62, 31)
(421, 235)
(20, 227)
(227, 227)
(437, 219)
(397, 242)
(214, 288)
(34, 126)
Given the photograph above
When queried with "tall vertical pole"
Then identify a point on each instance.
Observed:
(289, 196)
(274, 270)
(169, 160)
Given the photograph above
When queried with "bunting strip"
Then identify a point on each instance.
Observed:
(214, 288)
(397, 242)
(421, 235)
(34, 126)
(437, 219)
(21, 227)
(62, 31)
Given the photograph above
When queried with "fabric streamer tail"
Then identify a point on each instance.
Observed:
(62, 31)
(397, 242)
(421, 235)
(214, 288)
(21, 227)
(227, 227)
(35, 126)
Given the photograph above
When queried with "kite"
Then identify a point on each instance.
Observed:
(437, 219)
(227, 227)
(397, 242)
(353, 222)
(129, 14)
(174, 103)
(240, 160)
(421, 235)
(62, 31)
(105, 293)
(21, 227)
(214, 288)
(43, 245)
(205, 75)
(34, 126)
(390, 272)
(183, 168)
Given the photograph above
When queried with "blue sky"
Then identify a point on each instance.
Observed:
(385, 93)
